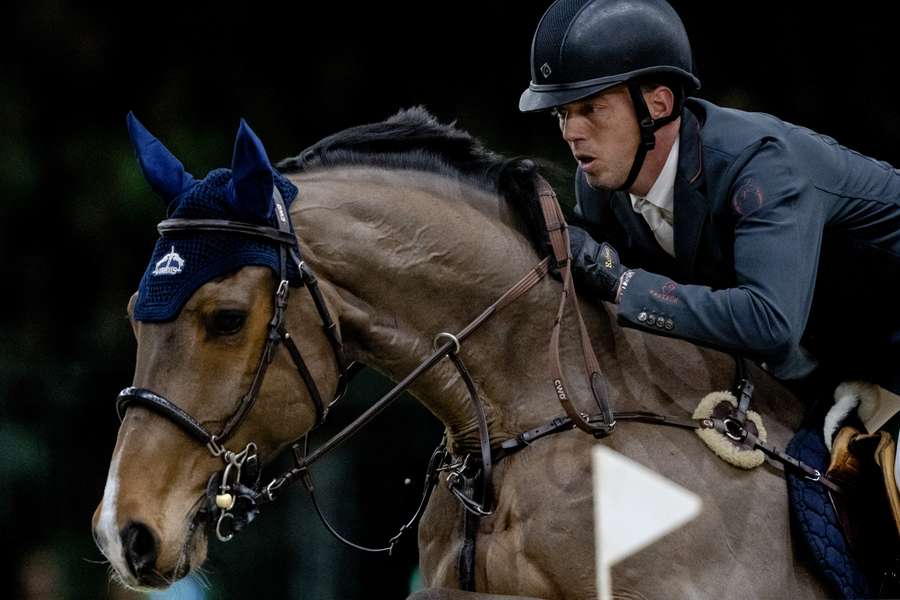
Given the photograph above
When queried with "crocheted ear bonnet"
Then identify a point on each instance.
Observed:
(183, 262)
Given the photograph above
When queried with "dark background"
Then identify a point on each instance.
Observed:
(77, 221)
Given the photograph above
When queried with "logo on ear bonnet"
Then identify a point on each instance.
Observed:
(170, 264)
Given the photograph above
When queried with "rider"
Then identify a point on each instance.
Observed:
(730, 229)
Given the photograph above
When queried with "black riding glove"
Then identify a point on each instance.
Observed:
(595, 267)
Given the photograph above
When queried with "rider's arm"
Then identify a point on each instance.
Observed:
(778, 232)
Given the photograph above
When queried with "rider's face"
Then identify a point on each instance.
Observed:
(602, 134)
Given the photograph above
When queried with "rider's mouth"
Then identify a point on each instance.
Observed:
(585, 161)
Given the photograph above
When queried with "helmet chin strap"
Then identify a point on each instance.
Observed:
(648, 127)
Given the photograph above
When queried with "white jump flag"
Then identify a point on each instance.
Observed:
(633, 507)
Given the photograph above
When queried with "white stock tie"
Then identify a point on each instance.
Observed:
(660, 222)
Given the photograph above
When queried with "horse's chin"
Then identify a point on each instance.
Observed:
(194, 551)
(192, 554)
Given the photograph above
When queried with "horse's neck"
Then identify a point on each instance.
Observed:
(411, 255)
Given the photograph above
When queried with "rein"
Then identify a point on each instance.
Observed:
(236, 492)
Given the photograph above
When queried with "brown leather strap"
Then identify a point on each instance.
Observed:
(487, 463)
(512, 294)
(559, 240)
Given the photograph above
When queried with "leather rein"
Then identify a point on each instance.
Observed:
(235, 494)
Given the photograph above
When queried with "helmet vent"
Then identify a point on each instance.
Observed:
(551, 32)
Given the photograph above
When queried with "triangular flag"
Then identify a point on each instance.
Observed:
(633, 507)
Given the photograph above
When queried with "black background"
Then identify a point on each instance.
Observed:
(77, 221)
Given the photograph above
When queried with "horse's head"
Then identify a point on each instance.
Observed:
(210, 391)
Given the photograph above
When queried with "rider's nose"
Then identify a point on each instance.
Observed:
(140, 547)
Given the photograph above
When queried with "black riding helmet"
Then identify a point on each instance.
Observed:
(582, 47)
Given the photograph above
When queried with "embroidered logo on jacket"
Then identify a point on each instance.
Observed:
(170, 264)
(667, 293)
(749, 197)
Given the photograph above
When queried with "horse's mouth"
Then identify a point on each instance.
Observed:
(193, 552)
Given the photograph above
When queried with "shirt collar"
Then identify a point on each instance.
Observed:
(662, 192)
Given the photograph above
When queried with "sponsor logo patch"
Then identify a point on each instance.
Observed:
(666, 293)
(747, 198)
(170, 264)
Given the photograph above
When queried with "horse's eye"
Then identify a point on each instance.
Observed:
(227, 322)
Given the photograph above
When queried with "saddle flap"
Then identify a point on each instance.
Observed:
(847, 452)
(885, 454)
(869, 509)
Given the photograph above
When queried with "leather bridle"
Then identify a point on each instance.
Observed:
(277, 334)
(236, 492)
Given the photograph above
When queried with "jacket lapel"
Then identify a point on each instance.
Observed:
(639, 234)
(642, 243)
(691, 207)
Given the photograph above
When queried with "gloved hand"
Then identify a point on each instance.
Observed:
(595, 267)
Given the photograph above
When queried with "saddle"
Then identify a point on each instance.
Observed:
(852, 536)
(845, 505)
(869, 507)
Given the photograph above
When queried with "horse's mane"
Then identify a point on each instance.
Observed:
(413, 139)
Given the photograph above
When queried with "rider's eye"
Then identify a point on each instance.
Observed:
(227, 322)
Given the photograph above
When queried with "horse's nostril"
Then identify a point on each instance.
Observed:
(140, 548)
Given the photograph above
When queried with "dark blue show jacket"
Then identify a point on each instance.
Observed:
(787, 248)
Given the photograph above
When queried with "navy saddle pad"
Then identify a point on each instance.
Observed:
(815, 522)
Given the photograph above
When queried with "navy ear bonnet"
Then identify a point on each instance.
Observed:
(184, 261)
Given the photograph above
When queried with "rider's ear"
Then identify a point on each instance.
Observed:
(250, 188)
(164, 172)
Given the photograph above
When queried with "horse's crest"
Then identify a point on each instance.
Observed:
(170, 264)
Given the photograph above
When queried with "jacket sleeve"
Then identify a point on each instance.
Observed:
(778, 235)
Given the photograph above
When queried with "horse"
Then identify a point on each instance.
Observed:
(411, 227)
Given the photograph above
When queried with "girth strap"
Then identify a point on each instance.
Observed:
(465, 562)
(730, 427)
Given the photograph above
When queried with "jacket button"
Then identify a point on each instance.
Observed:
(660, 322)
(670, 324)
(642, 317)
(651, 319)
